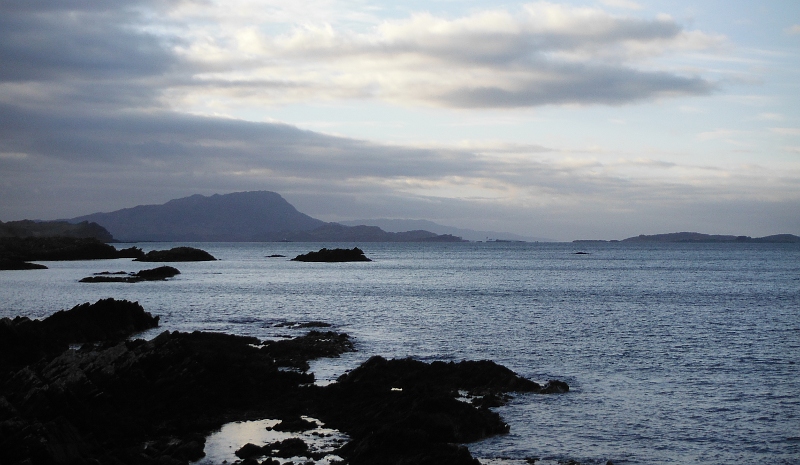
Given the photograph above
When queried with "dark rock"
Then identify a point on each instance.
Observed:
(155, 274)
(292, 447)
(555, 387)
(405, 411)
(295, 425)
(20, 265)
(296, 352)
(333, 255)
(24, 341)
(134, 401)
(276, 256)
(251, 450)
(177, 254)
(130, 252)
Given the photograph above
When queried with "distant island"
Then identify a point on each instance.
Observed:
(258, 216)
(699, 237)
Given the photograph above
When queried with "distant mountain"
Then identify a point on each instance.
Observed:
(396, 225)
(259, 216)
(699, 237)
(241, 216)
(29, 228)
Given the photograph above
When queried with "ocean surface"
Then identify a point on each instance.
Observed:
(674, 353)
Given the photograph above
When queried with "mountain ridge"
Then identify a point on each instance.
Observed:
(253, 216)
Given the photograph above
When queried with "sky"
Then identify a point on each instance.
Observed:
(595, 119)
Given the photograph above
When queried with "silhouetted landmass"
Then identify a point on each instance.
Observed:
(699, 237)
(15, 252)
(153, 402)
(239, 217)
(333, 255)
(28, 228)
(54, 248)
(177, 254)
(154, 274)
(399, 225)
(9, 265)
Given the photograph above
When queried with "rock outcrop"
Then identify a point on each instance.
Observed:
(154, 274)
(152, 402)
(333, 255)
(176, 254)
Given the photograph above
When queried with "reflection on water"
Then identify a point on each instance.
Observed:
(221, 446)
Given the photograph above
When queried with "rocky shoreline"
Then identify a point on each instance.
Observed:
(121, 401)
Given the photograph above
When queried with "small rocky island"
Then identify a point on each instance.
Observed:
(121, 400)
(154, 274)
(176, 254)
(333, 255)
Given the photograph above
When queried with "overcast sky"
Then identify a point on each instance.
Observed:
(566, 119)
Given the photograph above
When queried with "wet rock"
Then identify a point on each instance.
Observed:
(555, 387)
(251, 450)
(405, 411)
(148, 402)
(177, 254)
(333, 255)
(296, 352)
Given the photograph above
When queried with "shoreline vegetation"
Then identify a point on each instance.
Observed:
(115, 399)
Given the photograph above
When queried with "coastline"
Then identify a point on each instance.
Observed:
(114, 399)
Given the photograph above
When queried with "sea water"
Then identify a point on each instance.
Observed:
(674, 353)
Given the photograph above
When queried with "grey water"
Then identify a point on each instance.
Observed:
(674, 353)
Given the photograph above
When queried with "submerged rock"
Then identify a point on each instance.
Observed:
(177, 254)
(333, 255)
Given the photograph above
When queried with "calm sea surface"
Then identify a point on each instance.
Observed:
(675, 353)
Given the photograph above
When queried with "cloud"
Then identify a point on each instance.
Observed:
(203, 57)
(786, 131)
(542, 54)
(626, 4)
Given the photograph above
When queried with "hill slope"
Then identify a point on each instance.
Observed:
(241, 216)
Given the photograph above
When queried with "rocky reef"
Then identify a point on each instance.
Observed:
(176, 254)
(115, 400)
(333, 255)
(154, 274)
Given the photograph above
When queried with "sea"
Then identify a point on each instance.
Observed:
(674, 353)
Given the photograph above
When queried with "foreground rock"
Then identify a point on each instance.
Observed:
(333, 255)
(24, 341)
(153, 402)
(177, 254)
(154, 274)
